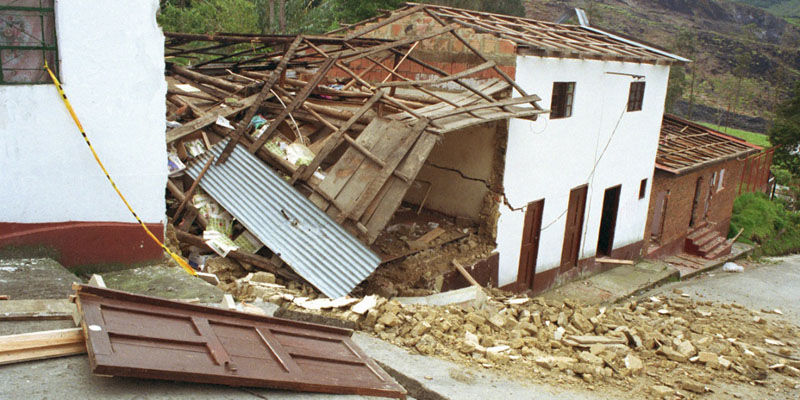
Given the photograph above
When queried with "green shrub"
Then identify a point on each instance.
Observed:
(766, 223)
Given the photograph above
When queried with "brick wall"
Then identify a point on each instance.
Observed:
(445, 51)
(680, 199)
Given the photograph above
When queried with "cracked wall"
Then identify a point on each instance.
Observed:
(460, 173)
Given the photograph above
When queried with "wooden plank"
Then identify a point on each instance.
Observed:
(296, 102)
(350, 167)
(262, 96)
(466, 274)
(424, 240)
(357, 208)
(380, 212)
(605, 260)
(208, 119)
(40, 345)
(188, 195)
(444, 79)
(334, 139)
(15, 310)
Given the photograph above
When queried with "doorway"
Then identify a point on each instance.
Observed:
(659, 216)
(696, 207)
(608, 222)
(529, 251)
(574, 228)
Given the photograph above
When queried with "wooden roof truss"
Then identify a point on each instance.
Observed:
(684, 146)
(369, 137)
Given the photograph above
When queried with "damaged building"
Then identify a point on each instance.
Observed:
(696, 179)
(529, 141)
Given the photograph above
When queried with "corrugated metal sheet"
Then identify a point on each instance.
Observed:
(304, 237)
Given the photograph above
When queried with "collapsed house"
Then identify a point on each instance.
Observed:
(310, 153)
(433, 108)
(696, 179)
(54, 195)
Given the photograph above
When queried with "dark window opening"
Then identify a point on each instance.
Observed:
(27, 41)
(642, 189)
(563, 97)
(636, 96)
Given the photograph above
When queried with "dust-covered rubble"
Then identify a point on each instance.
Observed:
(671, 345)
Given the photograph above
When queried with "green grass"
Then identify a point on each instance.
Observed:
(757, 139)
(767, 223)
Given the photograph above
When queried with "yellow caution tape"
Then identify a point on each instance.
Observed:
(176, 257)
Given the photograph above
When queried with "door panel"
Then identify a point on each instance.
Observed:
(574, 228)
(529, 251)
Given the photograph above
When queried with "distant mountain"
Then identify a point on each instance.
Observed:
(726, 39)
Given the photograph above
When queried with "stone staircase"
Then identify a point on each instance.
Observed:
(706, 242)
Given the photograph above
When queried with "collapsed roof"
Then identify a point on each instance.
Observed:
(364, 130)
(533, 37)
(686, 146)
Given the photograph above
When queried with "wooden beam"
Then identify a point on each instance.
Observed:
(210, 80)
(262, 96)
(190, 192)
(447, 78)
(291, 107)
(39, 345)
(331, 143)
(208, 119)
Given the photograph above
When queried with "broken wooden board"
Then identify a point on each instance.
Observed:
(148, 337)
(18, 310)
(384, 205)
(40, 345)
(356, 185)
(425, 240)
(209, 118)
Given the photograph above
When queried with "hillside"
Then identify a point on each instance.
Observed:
(786, 9)
(744, 56)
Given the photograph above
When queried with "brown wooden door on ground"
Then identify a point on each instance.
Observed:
(659, 215)
(696, 204)
(608, 222)
(530, 243)
(574, 228)
(148, 337)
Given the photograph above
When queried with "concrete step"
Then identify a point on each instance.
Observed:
(722, 250)
(711, 245)
(698, 233)
(705, 239)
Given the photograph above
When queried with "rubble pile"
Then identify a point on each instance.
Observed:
(670, 345)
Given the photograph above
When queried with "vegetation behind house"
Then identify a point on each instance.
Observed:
(768, 223)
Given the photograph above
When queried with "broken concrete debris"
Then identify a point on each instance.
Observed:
(610, 345)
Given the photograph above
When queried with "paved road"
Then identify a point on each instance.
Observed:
(768, 286)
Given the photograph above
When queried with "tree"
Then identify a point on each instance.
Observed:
(786, 132)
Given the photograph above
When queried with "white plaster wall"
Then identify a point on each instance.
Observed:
(547, 158)
(112, 67)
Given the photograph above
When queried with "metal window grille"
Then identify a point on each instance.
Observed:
(636, 96)
(27, 40)
(563, 97)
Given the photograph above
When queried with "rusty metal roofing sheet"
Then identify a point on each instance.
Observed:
(148, 337)
(304, 237)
